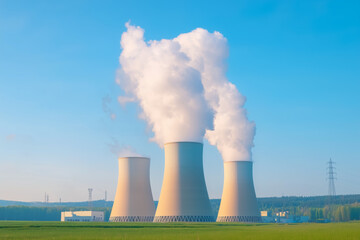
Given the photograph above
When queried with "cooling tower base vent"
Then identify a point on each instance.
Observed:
(254, 219)
(132, 219)
(184, 219)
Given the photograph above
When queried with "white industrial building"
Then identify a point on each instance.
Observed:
(82, 216)
(282, 217)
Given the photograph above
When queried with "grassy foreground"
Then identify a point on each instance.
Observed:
(67, 230)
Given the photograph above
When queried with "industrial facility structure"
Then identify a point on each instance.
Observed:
(283, 217)
(82, 216)
(238, 202)
(184, 197)
(133, 200)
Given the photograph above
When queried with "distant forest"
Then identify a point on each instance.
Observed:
(319, 208)
(26, 213)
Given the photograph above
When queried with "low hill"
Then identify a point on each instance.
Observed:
(264, 203)
(301, 206)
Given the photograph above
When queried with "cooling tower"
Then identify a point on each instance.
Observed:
(238, 203)
(184, 197)
(133, 200)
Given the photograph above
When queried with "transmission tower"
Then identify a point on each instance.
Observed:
(331, 177)
(46, 200)
(105, 199)
(90, 197)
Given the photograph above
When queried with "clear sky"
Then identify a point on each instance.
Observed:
(297, 62)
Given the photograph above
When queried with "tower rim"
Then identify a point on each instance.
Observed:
(175, 142)
(133, 158)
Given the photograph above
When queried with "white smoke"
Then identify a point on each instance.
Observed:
(106, 101)
(122, 150)
(233, 133)
(175, 81)
(123, 100)
(10, 137)
(169, 91)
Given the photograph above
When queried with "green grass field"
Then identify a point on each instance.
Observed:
(66, 230)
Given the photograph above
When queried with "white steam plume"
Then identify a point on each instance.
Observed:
(122, 150)
(169, 91)
(176, 80)
(233, 133)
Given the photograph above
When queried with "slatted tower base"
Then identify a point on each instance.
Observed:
(184, 219)
(132, 219)
(252, 219)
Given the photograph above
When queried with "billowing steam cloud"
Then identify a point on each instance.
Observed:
(167, 88)
(183, 91)
(233, 133)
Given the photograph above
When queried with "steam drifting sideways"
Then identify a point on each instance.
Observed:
(233, 133)
(182, 89)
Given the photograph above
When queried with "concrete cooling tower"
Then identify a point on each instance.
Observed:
(133, 200)
(238, 203)
(184, 197)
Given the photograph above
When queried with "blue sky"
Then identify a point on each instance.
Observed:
(297, 62)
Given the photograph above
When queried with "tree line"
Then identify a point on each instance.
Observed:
(338, 208)
(334, 213)
(26, 213)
